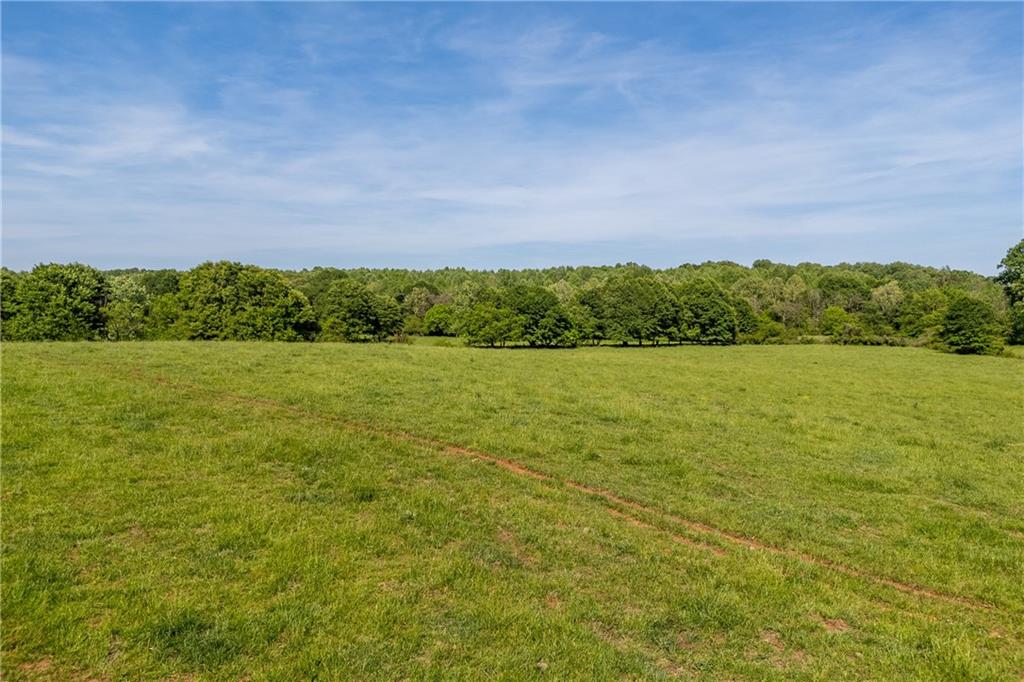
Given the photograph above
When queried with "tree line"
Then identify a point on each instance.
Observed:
(710, 303)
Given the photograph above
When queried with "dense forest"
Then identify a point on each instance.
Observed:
(710, 303)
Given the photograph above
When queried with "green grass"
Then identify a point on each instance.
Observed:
(293, 512)
(1015, 351)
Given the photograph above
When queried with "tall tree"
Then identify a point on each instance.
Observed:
(58, 302)
(227, 300)
(1011, 272)
(707, 314)
(636, 308)
(126, 308)
(970, 326)
(349, 311)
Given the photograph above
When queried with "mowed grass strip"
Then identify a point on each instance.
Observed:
(152, 531)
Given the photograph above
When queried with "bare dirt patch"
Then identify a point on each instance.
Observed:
(772, 639)
(835, 624)
(36, 667)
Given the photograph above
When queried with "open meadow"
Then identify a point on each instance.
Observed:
(353, 511)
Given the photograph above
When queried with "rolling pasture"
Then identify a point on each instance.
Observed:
(325, 511)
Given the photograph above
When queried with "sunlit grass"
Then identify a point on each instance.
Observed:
(277, 511)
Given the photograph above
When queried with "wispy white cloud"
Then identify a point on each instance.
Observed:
(550, 131)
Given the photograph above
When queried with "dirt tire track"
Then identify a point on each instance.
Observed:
(615, 499)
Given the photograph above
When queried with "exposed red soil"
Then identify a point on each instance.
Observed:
(40, 666)
(682, 539)
(698, 527)
(835, 624)
(772, 639)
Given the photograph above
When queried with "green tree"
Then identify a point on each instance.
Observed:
(387, 317)
(554, 329)
(418, 301)
(923, 313)
(1016, 330)
(881, 313)
(584, 322)
(316, 281)
(126, 309)
(746, 318)
(346, 312)
(834, 320)
(485, 324)
(163, 319)
(845, 289)
(58, 302)
(159, 282)
(887, 300)
(8, 286)
(1011, 273)
(439, 320)
(636, 308)
(707, 313)
(534, 305)
(349, 311)
(970, 326)
(793, 306)
(227, 300)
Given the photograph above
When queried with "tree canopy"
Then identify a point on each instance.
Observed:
(627, 304)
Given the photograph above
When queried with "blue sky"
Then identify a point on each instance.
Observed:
(511, 135)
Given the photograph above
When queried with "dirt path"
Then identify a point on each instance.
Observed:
(621, 506)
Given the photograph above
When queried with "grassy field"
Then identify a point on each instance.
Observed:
(327, 511)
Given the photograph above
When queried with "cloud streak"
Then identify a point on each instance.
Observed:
(479, 133)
